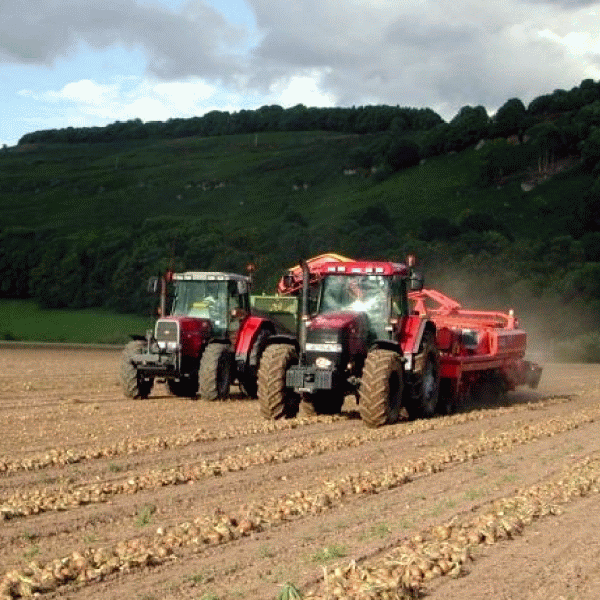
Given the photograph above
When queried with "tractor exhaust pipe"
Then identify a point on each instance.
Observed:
(163, 296)
(304, 316)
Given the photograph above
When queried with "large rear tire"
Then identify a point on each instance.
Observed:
(381, 388)
(133, 384)
(275, 399)
(425, 388)
(216, 372)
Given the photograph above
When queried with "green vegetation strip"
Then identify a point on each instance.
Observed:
(23, 321)
(93, 565)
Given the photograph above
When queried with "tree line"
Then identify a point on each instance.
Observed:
(362, 119)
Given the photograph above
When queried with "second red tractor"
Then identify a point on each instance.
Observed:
(208, 341)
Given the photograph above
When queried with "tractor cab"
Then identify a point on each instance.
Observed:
(380, 298)
(221, 298)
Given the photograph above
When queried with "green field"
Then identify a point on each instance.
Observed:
(25, 321)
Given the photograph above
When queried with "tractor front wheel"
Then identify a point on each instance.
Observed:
(249, 380)
(276, 401)
(134, 385)
(216, 372)
(381, 388)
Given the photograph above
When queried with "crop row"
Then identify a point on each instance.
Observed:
(446, 549)
(95, 564)
(128, 447)
(23, 504)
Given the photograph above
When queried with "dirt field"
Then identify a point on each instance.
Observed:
(109, 498)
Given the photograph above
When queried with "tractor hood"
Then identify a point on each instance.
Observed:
(186, 333)
(341, 320)
(349, 331)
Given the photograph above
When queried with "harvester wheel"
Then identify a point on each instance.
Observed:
(425, 388)
(275, 400)
(134, 385)
(381, 388)
(216, 371)
(249, 381)
(323, 402)
(185, 387)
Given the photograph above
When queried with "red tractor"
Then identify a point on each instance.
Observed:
(207, 342)
(358, 335)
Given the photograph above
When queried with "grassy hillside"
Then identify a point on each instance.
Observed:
(83, 225)
(122, 184)
(247, 181)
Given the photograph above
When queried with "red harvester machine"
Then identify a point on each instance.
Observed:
(481, 352)
(369, 328)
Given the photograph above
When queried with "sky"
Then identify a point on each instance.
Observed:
(93, 62)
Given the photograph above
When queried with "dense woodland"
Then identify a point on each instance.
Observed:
(501, 210)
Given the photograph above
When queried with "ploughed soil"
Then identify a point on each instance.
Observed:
(106, 497)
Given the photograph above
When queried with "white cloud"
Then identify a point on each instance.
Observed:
(85, 92)
(441, 54)
(425, 52)
(129, 98)
(302, 89)
(184, 96)
(195, 40)
(576, 42)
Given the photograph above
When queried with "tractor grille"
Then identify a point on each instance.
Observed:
(330, 343)
(167, 331)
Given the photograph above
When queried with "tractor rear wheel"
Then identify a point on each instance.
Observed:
(381, 388)
(134, 385)
(425, 388)
(323, 402)
(275, 400)
(216, 372)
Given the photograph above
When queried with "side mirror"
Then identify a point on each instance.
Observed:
(415, 283)
(153, 285)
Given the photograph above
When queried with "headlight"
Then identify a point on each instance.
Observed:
(170, 346)
(325, 347)
(323, 363)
